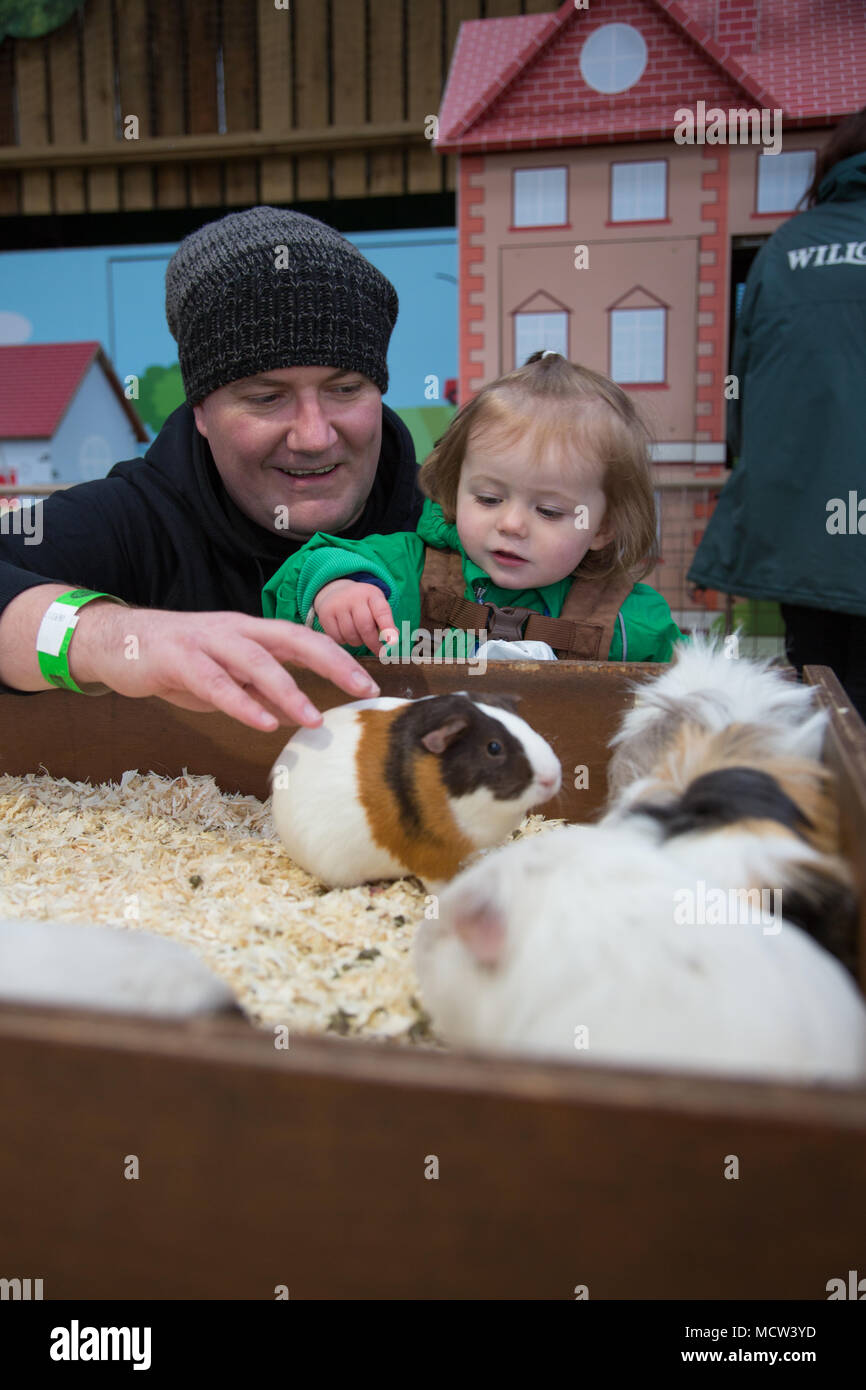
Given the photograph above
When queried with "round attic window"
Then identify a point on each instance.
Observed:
(613, 58)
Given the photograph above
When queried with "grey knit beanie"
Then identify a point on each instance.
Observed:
(267, 288)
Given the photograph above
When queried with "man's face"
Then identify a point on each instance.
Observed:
(301, 419)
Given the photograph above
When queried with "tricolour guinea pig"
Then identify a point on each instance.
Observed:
(711, 690)
(728, 782)
(596, 944)
(388, 787)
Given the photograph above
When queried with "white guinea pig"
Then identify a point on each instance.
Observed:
(578, 943)
(74, 966)
(387, 787)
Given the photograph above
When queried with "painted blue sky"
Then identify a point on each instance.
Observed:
(115, 294)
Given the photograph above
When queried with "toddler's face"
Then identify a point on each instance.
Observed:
(528, 521)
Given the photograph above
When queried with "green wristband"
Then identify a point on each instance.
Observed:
(55, 634)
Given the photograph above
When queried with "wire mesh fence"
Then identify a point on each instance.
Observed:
(683, 508)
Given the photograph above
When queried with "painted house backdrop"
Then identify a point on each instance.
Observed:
(63, 415)
(584, 227)
(114, 297)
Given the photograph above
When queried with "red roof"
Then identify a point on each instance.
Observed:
(516, 83)
(38, 382)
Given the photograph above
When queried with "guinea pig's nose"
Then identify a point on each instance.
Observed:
(548, 782)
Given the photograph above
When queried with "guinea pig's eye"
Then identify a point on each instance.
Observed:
(494, 747)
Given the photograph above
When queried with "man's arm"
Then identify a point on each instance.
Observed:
(19, 625)
(199, 661)
(95, 535)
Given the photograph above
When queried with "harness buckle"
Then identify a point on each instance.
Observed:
(506, 624)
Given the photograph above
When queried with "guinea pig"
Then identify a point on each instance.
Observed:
(711, 690)
(708, 783)
(733, 776)
(388, 787)
(77, 966)
(592, 943)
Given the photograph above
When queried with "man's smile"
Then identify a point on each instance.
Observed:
(298, 474)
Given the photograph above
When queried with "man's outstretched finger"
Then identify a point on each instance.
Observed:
(315, 650)
(214, 683)
(266, 681)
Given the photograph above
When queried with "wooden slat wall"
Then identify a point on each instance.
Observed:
(102, 184)
(426, 81)
(136, 181)
(276, 98)
(349, 50)
(33, 122)
(202, 26)
(10, 196)
(310, 19)
(353, 65)
(240, 58)
(167, 59)
(65, 56)
(386, 91)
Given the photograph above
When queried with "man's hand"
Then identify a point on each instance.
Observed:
(355, 613)
(210, 661)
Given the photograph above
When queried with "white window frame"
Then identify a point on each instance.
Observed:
(549, 331)
(632, 345)
(536, 205)
(775, 194)
(636, 199)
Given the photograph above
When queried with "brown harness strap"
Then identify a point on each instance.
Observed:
(583, 633)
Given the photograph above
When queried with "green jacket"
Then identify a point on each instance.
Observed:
(790, 523)
(398, 561)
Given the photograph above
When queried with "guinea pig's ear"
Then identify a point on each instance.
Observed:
(437, 740)
(480, 924)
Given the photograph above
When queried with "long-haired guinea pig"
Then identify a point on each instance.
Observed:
(389, 787)
(591, 943)
(727, 783)
(707, 688)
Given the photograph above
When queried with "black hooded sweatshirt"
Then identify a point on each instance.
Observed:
(162, 532)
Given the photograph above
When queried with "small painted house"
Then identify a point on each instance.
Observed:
(613, 190)
(64, 417)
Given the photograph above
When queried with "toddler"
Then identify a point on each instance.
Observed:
(539, 503)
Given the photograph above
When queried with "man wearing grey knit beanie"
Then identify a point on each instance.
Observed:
(282, 329)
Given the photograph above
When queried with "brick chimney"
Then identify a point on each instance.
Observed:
(736, 27)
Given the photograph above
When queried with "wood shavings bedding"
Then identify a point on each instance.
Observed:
(179, 857)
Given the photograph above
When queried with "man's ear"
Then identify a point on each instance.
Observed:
(200, 423)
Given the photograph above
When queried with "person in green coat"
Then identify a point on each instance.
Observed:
(790, 524)
(541, 482)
